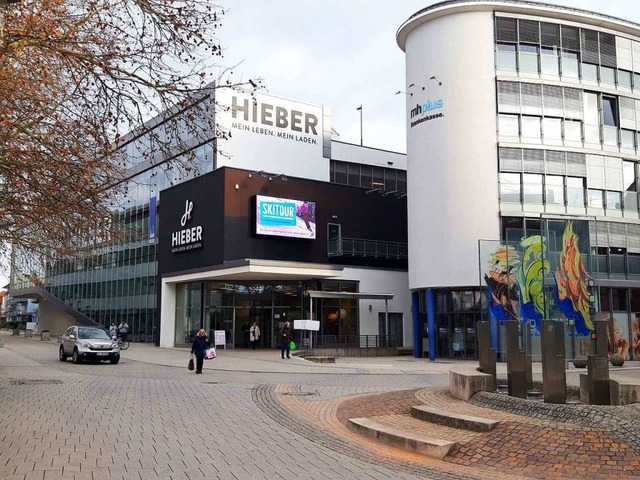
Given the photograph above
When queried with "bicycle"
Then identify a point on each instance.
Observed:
(123, 344)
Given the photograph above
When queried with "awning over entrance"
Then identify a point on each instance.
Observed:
(355, 296)
(255, 269)
(352, 295)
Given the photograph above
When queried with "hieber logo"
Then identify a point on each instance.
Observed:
(427, 107)
(188, 238)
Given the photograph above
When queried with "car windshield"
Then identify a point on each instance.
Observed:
(97, 333)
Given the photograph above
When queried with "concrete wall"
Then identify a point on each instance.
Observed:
(382, 281)
(452, 159)
(54, 320)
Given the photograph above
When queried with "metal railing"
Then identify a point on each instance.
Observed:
(359, 247)
(356, 341)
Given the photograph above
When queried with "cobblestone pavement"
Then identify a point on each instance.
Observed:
(140, 420)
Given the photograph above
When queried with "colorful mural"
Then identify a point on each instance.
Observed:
(572, 277)
(501, 280)
(516, 281)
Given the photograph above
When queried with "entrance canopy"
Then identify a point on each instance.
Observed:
(256, 270)
(356, 296)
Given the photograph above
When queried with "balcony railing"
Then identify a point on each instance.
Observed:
(359, 247)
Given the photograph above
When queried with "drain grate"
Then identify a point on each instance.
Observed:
(301, 394)
(39, 381)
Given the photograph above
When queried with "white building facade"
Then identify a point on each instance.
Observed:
(522, 151)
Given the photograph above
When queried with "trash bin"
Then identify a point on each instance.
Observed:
(45, 335)
(28, 333)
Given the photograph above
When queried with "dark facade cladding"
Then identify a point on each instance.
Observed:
(227, 217)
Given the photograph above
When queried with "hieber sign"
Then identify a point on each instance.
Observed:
(187, 238)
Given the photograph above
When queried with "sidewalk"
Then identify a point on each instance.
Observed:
(269, 361)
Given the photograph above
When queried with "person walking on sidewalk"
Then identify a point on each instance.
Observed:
(200, 344)
(254, 334)
(285, 339)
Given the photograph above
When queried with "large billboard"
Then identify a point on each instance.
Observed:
(284, 217)
(264, 132)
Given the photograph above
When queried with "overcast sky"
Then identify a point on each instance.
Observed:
(341, 54)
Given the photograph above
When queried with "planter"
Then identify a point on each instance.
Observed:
(580, 361)
(617, 360)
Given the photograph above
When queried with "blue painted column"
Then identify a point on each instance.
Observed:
(417, 328)
(431, 323)
(494, 326)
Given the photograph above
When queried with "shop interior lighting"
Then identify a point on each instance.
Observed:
(373, 190)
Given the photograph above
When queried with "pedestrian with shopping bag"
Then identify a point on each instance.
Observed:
(200, 345)
(285, 340)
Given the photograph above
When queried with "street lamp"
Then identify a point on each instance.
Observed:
(360, 108)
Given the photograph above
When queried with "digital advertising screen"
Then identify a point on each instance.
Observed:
(283, 217)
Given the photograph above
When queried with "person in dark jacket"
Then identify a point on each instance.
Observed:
(200, 344)
(285, 339)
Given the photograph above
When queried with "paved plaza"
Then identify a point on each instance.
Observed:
(252, 415)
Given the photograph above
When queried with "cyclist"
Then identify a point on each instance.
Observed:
(123, 330)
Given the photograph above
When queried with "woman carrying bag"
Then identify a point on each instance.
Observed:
(200, 345)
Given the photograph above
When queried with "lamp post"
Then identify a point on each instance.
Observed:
(360, 108)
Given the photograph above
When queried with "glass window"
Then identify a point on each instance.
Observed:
(365, 176)
(528, 59)
(570, 64)
(506, 57)
(636, 81)
(554, 190)
(532, 189)
(610, 111)
(627, 139)
(340, 175)
(510, 187)
(614, 201)
(402, 181)
(624, 79)
(594, 198)
(575, 192)
(590, 105)
(508, 126)
(573, 131)
(590, 72)
(531, 129)
(552, 130)
(629, 176)
(354, 174)
(390, 180)
(549, 61)
(631, 202)
(378, 178)
(607, 75)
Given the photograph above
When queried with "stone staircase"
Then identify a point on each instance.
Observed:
(426, 430)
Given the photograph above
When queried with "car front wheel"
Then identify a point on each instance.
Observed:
(61, 355)
(76, 356)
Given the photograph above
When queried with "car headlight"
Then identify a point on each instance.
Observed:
(114, 345)
(83, 344)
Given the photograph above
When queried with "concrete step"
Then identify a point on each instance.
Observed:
(451, 419)
(423, 444)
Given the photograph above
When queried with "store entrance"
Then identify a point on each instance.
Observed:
(247, 315)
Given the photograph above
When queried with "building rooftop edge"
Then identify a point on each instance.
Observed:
(513, 6)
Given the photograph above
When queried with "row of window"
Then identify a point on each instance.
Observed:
(367, 176)
(91, 291)
(534, 160)
(571, 133)
(533, 47)
(533, 190)
(121, 258)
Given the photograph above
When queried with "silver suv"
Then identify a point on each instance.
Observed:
(88, 343)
